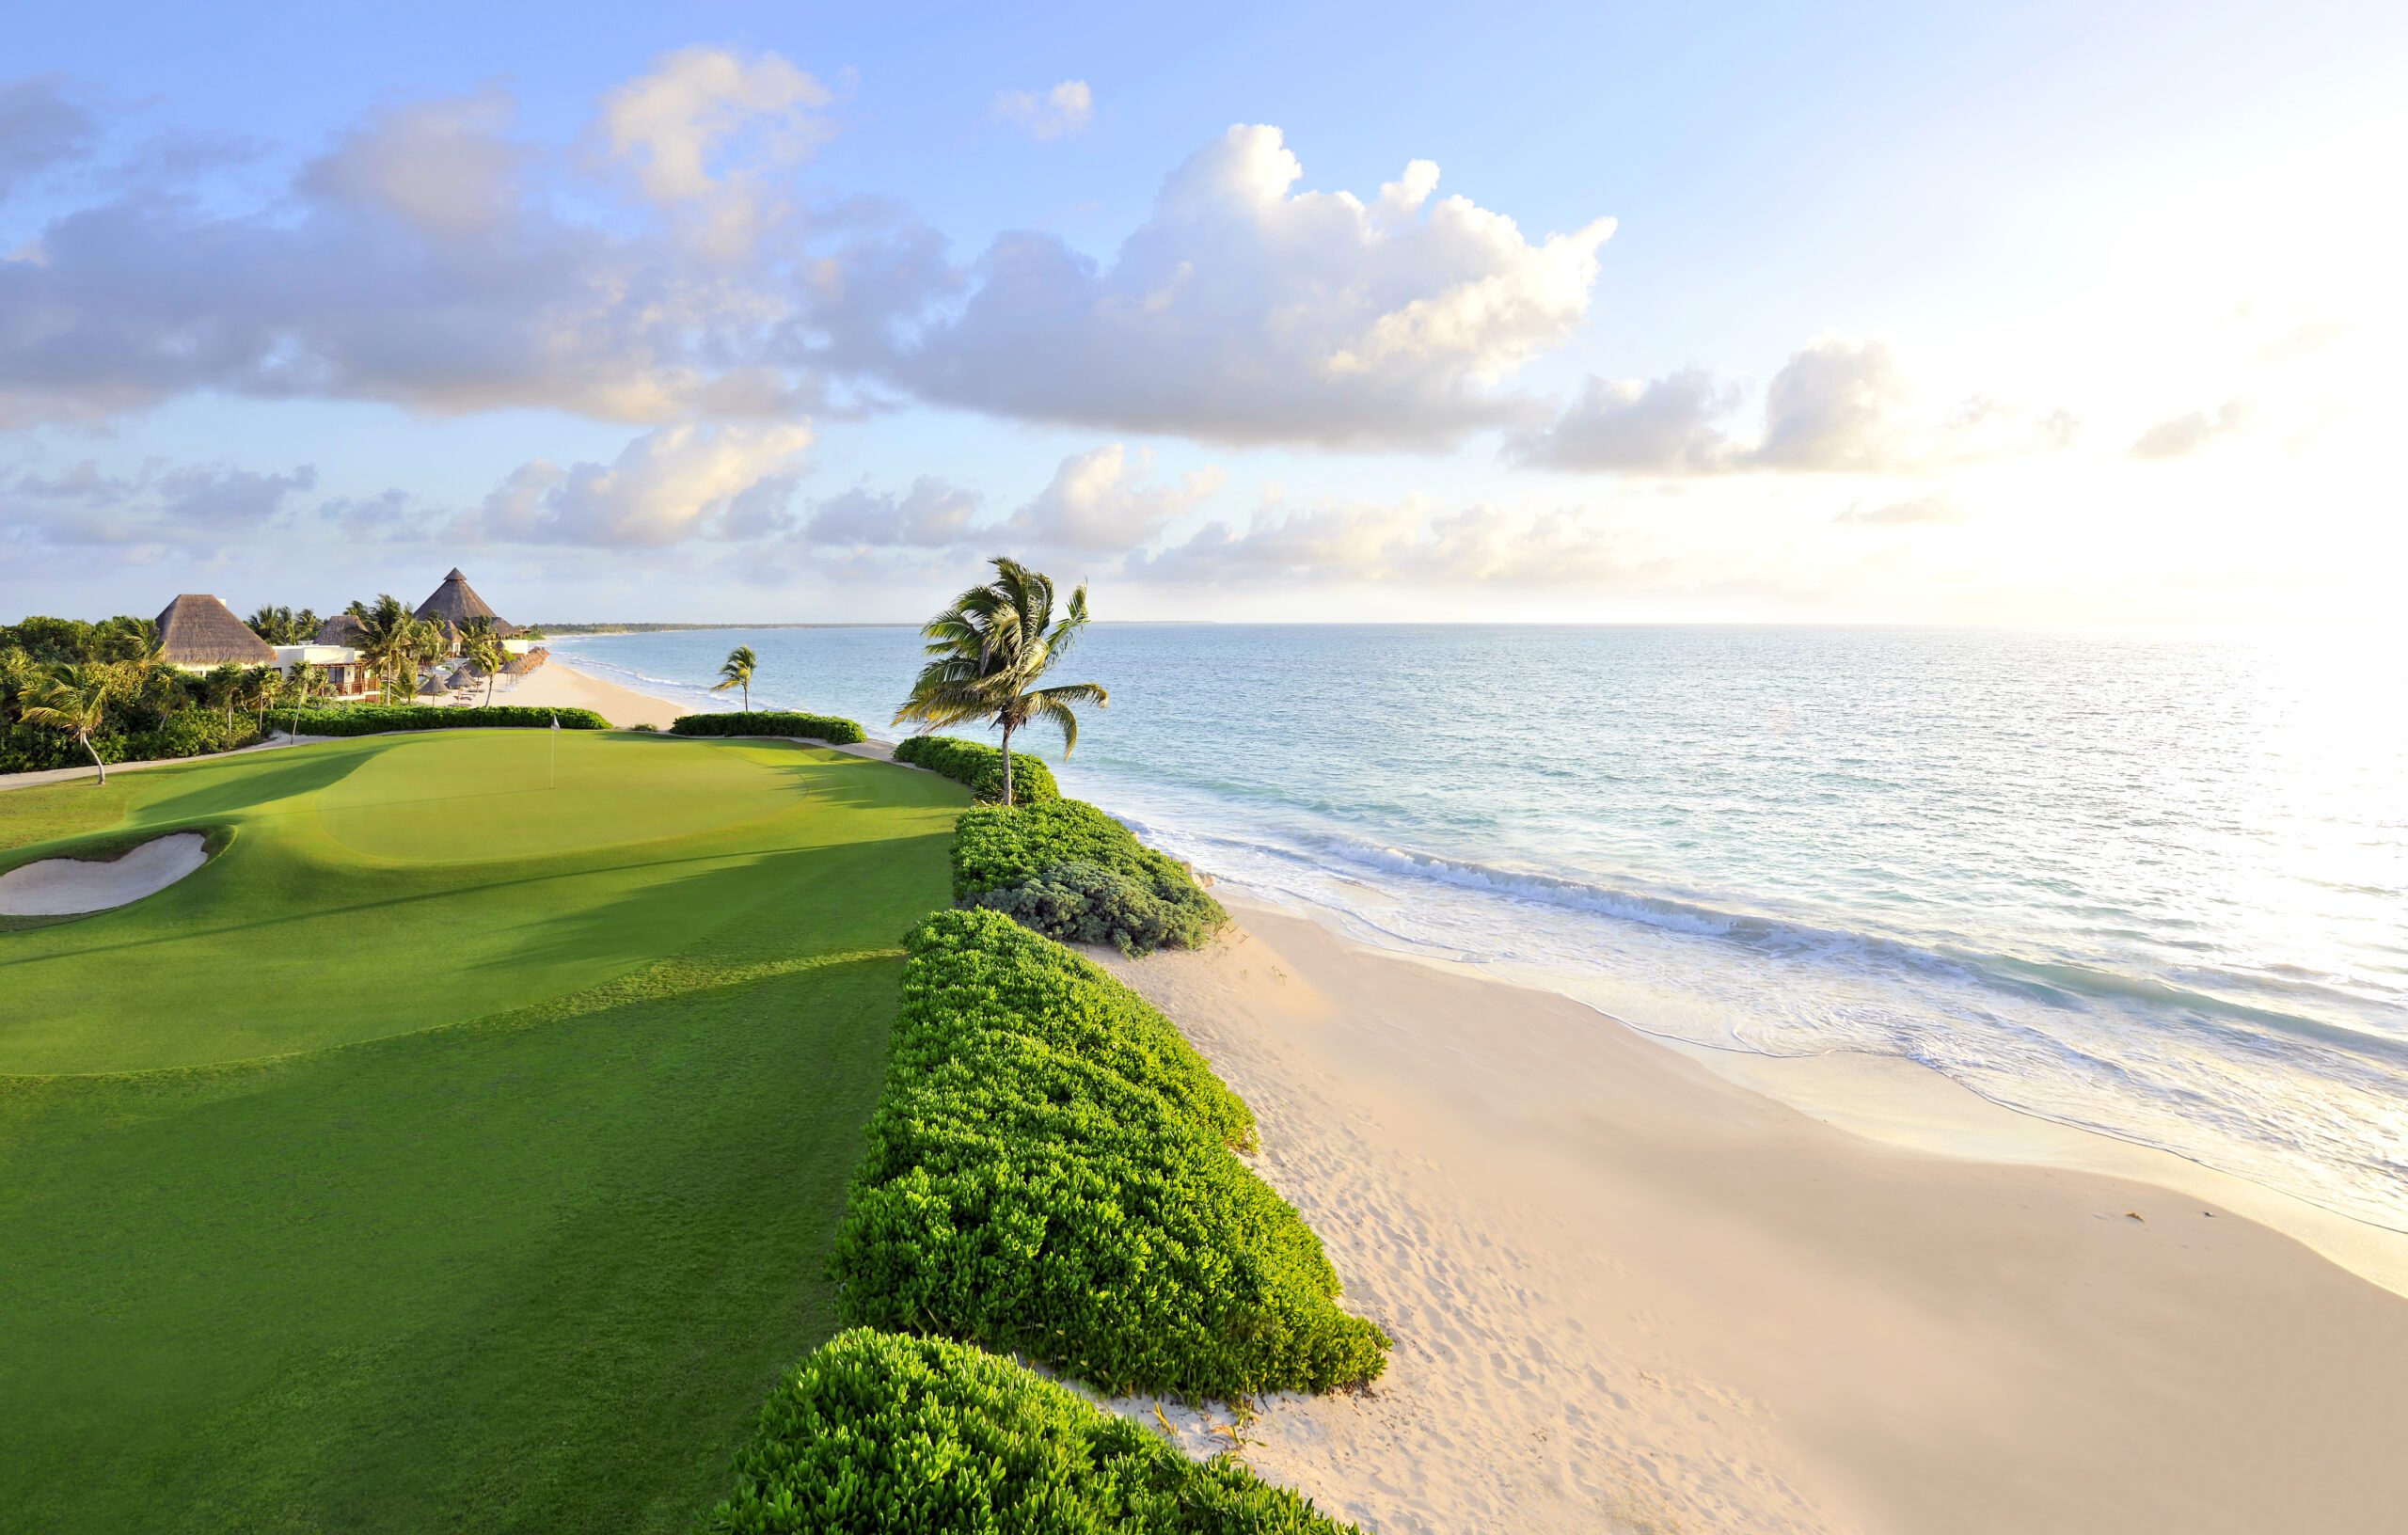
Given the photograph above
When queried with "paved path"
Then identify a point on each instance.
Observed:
(68, 775)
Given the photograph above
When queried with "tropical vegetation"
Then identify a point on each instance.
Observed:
(382, 719)
(284, 625)
(989, 655)
(146, 708)
(1072, 872)
(818, 727)
(979, 765)
(1050, 1170)
(874, 1431)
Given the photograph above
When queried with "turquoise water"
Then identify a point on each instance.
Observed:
(2154, 887)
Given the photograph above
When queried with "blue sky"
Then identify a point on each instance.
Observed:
(1906, 312)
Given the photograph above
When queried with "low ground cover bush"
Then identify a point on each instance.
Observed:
(1050, 1171)
(377, 719)
(1072, 872)
(877, 1432)
(818, 727)
(980, 767)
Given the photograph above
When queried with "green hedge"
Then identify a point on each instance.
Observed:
(1072, 872)
(980, 767)
(819, 727)
(377, 719)
(1050, 1171)
(879, 1433)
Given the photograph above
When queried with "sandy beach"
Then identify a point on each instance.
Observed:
(558, 685)
(1635, 1290)
(1630, 1295)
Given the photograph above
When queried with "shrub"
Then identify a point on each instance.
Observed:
(1072, 872)
(1050, 1171)
(818, 727)
(980, 767)
(875, 1431)
(377, 719)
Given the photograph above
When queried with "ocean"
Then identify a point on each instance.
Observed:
(2154, 887)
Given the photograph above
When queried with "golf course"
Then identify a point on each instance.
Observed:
(462, 1146)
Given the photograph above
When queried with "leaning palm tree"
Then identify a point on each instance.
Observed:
(306, 683)
(482, 646)
(74, 698)
(737, 672)
(989, 651)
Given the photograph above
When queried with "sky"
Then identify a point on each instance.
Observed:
(2049, 314)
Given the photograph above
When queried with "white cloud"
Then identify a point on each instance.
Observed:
(933, 513)
(1408, 542)
(702, 127)
(1839, 405)
(1094, 502)
(683, 481)
(1244, 311)
(2178, 437)
(446, 167)
(1067, 109)
(190, 506)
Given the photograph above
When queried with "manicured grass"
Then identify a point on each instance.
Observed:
(534, 1199)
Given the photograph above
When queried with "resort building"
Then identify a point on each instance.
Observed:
(198, 633)
(455, 604)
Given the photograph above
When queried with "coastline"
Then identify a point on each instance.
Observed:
(1657, 1286)
(1627, 1289)
(558, 685)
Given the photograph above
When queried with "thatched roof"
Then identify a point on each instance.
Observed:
(432, 685)
(455, 603)
(199, 630)
(341, 629)
(520, 665)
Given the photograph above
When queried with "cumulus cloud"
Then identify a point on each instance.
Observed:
(2177, 436)
(1244, 310)
(1669, 425)
(683, 481)
(186, 506)
(933, 513)
(413, 263)
(700, 130)
(1839, 405)
(1096, 501)
(1407, 542)
(41, 125)
(1067, 109)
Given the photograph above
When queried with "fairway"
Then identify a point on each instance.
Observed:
(451, 1151)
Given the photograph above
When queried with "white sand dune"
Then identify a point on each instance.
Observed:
(62, 887)
(1628, 1294)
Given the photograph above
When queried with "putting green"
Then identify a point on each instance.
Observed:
(535, 1198)
(392, 883)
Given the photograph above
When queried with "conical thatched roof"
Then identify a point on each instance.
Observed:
(455, 603)
(199, 630)
(341, 629)
(432, 685)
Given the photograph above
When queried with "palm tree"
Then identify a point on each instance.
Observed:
(307, 682)
(483, 647)
(73, 698)
(283, 627)
(223, 685)
(388, 637)
(259, 684)
(737, 672)
(990, 649)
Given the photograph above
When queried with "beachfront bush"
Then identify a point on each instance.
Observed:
(980, 767)
(1050, 1171)
(378, 719)
(1072, 872)
(877, 1432)
(818, 727)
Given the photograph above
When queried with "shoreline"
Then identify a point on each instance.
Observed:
(1629, 1290)
(1886, 1100)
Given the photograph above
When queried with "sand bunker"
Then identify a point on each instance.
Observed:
(63, 887)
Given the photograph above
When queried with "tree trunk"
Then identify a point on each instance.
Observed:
(102, 766)
(1007, 766)
(489, 679)
(748, 697)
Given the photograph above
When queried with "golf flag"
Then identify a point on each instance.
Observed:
(556, 722)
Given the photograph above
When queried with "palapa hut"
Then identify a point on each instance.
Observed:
(198, 633)
(433, 687)
(455, 604)
(341, 629)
